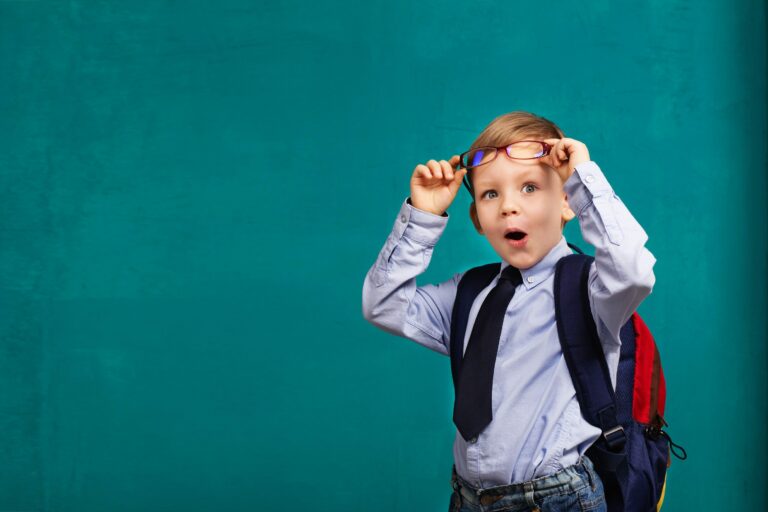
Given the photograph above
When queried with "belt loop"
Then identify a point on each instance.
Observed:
(528, 486)
(590, 476)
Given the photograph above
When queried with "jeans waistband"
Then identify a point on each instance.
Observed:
(570, 479)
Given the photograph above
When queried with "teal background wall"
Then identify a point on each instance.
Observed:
(192, 192)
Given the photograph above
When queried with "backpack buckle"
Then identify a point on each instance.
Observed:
(615, 437)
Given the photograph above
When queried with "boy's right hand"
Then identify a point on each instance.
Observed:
(434, 186)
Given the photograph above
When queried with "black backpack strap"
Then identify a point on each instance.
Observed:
(470, 285)
(575, 248)
(582, 349)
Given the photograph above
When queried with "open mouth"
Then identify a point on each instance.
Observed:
(516, 238)
(515, 235)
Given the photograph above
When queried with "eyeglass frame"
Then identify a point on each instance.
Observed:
(547, 148)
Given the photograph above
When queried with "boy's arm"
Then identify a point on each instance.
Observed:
(622, 274)
(391, 299)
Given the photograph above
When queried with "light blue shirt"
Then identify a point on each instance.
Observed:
(537, 425)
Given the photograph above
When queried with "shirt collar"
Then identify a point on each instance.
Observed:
(543, 269)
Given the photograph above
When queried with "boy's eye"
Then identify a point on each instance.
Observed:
(534, 187)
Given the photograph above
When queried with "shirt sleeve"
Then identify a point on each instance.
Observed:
(621, 275)
(391, 299)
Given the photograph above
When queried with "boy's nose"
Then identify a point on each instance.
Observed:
(510, 208)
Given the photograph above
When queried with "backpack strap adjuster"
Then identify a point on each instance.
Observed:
(615, 438)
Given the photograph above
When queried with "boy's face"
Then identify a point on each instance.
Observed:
(522, 194)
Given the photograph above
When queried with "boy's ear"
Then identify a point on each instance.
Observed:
(566, 211)
(473, 216)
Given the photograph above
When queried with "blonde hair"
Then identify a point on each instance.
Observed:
(513, 126)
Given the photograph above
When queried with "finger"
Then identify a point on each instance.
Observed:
(553, 156)
(454, 161)
(447, 170)
(562, 153)
(435, 168)
(458, 177)
(423, 170)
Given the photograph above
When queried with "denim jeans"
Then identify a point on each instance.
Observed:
(576, 488)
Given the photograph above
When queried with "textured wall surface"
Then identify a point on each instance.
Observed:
(191, 194)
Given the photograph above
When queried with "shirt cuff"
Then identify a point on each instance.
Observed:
(419, 225)
(586, 183)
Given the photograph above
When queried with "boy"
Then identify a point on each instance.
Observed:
(529, 452)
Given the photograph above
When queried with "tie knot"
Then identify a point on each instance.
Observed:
(512, 274)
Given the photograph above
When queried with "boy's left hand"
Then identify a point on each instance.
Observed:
(565, 155)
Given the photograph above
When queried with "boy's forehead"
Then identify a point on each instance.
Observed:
(492, 172)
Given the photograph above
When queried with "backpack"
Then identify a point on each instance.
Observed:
(633, 454)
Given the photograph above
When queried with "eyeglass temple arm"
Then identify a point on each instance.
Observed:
(466, 184)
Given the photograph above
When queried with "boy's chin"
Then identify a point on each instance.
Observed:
(519, 258)
(522, 262)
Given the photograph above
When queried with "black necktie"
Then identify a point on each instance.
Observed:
(472, 408)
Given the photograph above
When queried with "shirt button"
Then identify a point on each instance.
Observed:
(590, 178)
(473, 440)
(531, 279)
(402, 218)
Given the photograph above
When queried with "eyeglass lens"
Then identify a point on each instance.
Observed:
(519, 150)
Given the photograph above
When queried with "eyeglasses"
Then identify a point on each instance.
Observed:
(519, 150)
